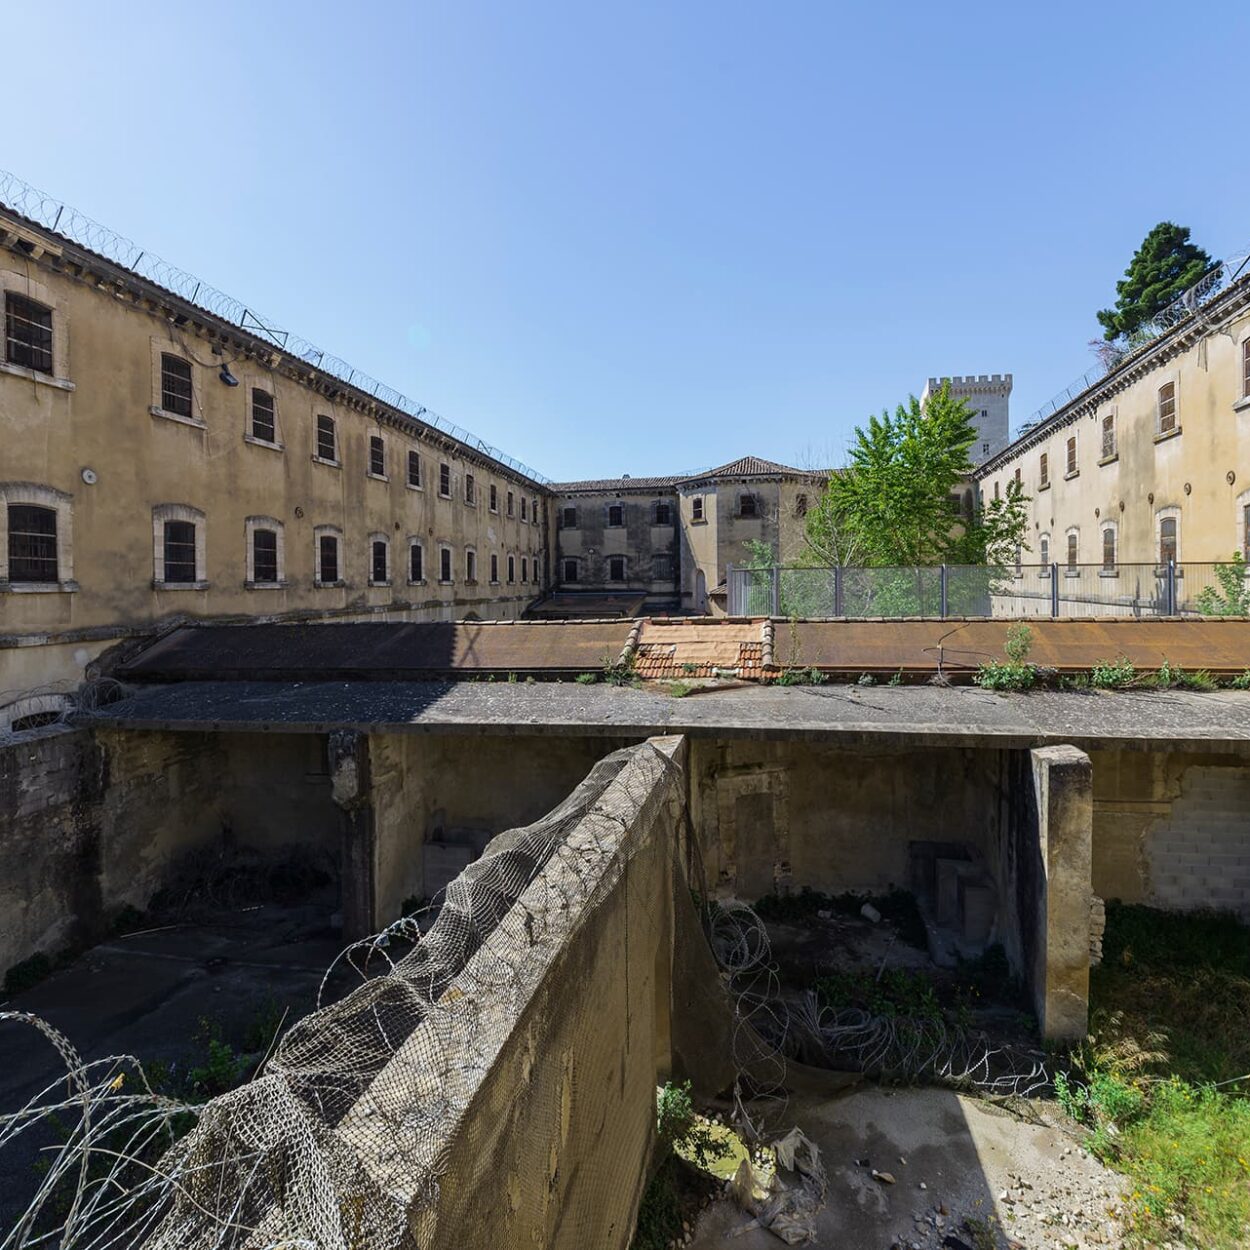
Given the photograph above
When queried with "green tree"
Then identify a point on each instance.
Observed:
(891, 505)
(1166, 265)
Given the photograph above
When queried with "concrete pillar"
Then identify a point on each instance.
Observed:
(1063, 790)
(351, 788)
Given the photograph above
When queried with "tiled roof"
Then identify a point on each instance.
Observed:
(744, 466)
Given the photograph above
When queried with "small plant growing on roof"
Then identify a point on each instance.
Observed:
(1017, 673)
(1113, 676)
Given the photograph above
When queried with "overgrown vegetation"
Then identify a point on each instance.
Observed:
(1016, 673)
(1164, 1077)
(1106, 675)
(899, 907)
(1232, 598)
(800, 677)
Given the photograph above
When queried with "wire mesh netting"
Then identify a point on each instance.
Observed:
(342, 1139)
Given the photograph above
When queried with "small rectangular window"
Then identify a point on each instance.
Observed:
(176, 385)
(1071, 455)
(327, 559)
(1043, 551)
(956, 505)
(179, 551)
(414, 467)
(27, 333)
(327, 442)
(616, 514)
(1167, 408)
(494, 497)
(416, 563)
(1018, 482)
(800, 506)
(1043, 470)
(663, 514)
(377, 455)
(378, 566)
(264, 427)
(696, 508)
(494, 567)
(524, 508)
(533, 511)
(1108, 436)
(1072, 553)
(570, 570)
(510, 504)
(568, 518)
(264, 555)
(616, 568)
(525, 569)
(537, 579)
(470, 566)
(32, 543)
(1108, 548)
(663, 567)
(511, 569)
(444, 564)
(444, 480)
(470, 490)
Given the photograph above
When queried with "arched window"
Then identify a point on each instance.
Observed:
(1108, 549)
(35, 537)
(266, 563)
(178, 547)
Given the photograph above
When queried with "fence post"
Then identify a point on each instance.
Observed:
(837, 590)
(1171, 587)
(942, 582)
(776, 595)
(735, 607)
(1054, 591)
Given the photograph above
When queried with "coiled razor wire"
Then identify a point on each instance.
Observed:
(915, 1048)
(341, 1142)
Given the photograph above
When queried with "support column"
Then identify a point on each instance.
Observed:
(351, 787)
(1063, 790)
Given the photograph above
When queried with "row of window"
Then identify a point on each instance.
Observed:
(34, 552)
(1168, 536)
(618, 568)
(662, 512)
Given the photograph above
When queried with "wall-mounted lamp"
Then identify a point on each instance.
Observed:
(226, 376)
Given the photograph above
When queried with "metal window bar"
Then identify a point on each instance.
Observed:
(264, 426)
(377, 456)
(32, 544)
(328, 558)
(175, 385)
(179, 552)
(327, 446)
(27, 333)
(264, 556)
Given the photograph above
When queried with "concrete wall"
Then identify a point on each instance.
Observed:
(1172, 829)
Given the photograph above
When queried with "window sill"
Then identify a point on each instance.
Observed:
(263, 442)
(329, 464)
(415, 486)
(698, 520)
(38, 588)
(339, 585)
(1163, 438)
(33, 375)
(446, 496)
(179, 585)
(385, 583)
(1067, 477)
(419, 582)
(1044, 486)
(281, 585)
(445, 582)
(178, 417)
(1108, 572)
(377, 477)
(494, 581)
(1162, 573)
(1072, 572)
(470, 581)
(493, 511)
(1242, 404)
(1111, 459)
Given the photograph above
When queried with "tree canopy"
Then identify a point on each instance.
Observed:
(1166, 265)
(892, 504)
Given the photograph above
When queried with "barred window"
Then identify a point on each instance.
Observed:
(27, 333)
(569, 521)
(416, 563)
(444, 480)
(1245, 368)
(494, 497)
(511, 505)
(616, 514)
(414, 468)
(377, 455)
(470, 565)
(616, 568)
(1167, 540)
(264, 426)
(1071, 455)
(444, 564)
(32, 543)
(1167, 408)
(663, 566)
(494, 567)
(1108, 549)
(264, 555)
(696, 508)
(663, 514)
(1043, 550)
(180, 551)
(1072, 552)
(327, 442)
(379, 570)
(746, 505)
(525, 569)
(1043, 470)
(534, 511)
(176, 385)
(328, 559)
(470, 489)
(511, 569)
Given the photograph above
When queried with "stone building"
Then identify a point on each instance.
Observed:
(159, 461)
(988, 396)
(1151, 464)
(666, 543)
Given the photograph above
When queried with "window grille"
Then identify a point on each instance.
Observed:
(32, 544)
(264, 427)
(327, 444)
(175, 385)
(377, 455)
(264, 555)
(179, 551)
(1167, 408)
(328, 558)
(27, 333)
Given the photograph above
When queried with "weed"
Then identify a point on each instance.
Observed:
(897, 679)
(1113, 676)
(994, 676)
(1018, 643)
(1241, 682)
(1233, 596)
(866, 679)
(982, 1231)
(619, 672)
(678, 689)
(800, 677)
(512, 679)
(1170, 676)
(586, 679)
(896, 993)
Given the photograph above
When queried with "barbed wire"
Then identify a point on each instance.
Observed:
(63, 219)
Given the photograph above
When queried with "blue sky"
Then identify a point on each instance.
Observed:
(647, 238)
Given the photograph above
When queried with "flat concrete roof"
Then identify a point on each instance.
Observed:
(884, 715)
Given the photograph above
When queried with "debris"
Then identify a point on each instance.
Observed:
(869, 912)
(885, 1178)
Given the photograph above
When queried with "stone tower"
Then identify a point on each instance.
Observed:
(988, 397)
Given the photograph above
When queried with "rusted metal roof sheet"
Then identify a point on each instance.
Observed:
(1068, 645)
(382, 651)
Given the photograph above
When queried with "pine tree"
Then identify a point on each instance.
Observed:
(1166, 265)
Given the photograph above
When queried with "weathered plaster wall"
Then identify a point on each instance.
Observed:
(1172, 829)
(772, 816)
